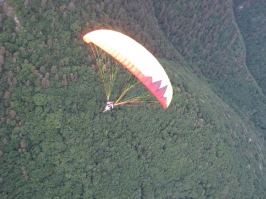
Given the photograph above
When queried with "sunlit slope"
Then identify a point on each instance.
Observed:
(232, 135)
(197, 148)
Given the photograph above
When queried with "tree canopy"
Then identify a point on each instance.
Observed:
(55, 142)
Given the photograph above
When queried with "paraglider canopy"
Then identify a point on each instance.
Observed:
(137, 60)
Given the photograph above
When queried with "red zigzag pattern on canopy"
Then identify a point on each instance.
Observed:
(155, 88)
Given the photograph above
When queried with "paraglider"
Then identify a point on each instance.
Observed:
(109, 106)
(114, 51)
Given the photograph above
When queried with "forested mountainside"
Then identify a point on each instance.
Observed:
(216, 49)
(210, 142)
(251, 20)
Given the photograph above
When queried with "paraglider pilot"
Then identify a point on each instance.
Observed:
(109, 106)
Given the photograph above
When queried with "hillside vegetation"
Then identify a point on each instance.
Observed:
(56, 143)
(251, 20)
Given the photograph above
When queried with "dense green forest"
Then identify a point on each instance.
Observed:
(56, 143)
